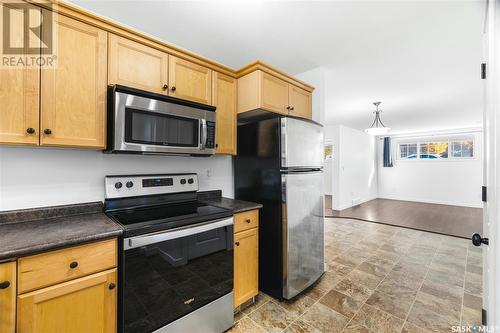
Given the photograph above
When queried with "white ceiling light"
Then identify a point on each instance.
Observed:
(377, 127)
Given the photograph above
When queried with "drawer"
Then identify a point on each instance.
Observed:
(246, 220)
(53, 267)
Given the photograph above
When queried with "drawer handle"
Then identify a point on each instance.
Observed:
(112, 286)
(73, 264)
(4, 285)
(248, 220)
(237, 243)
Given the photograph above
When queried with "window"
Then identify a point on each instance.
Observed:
(462, 148)
(452, 148)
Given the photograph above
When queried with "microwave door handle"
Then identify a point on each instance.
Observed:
(203, 133)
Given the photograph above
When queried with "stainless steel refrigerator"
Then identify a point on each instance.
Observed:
(280, 164)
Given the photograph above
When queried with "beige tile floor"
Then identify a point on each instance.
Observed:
(380, 279)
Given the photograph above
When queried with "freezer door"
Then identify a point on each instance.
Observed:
(302, 218)
(301, 144)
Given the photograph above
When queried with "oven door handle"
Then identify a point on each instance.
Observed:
(203, 133)
(138, 241)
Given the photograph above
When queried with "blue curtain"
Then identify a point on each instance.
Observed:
(387, 153)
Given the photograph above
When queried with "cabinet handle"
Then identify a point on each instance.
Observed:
(165, 86)
(4, 285)
(173, 88)
(112, 286)
(47, 131)
(73, 264)
(30, 130)
(248, 220)
(291, 108)
(237, 243)
(288, 107)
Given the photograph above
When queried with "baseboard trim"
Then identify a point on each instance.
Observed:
(436, 202)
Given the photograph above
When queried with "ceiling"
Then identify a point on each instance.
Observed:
(420, 58)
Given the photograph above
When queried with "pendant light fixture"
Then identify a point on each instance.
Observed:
(377, 127)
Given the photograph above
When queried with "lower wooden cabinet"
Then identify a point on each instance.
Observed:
(8, 297)
(69, 290)
(83, 305)
(246, 263)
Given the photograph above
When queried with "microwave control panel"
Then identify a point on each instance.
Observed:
(210, 134)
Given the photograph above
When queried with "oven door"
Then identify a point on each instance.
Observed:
(173, 280)
(148, 125)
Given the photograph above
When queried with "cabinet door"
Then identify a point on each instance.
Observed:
(224, 99)
(189, 81)
(73, 106)
(246, 265)
(83, 305)
(19, 87)
(300, 102)
(8, 297)
(274, 94)
(135, 65)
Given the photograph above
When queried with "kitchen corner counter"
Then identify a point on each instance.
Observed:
(237, 206)
(28, 231)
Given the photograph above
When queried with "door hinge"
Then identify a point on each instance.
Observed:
(484, 195)
(483, 317)
(483, 70)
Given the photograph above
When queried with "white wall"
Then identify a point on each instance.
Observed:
(316, 78)
(443, 182)
(36, 177)
(354, 166)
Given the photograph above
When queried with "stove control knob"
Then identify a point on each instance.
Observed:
(183, 181)
(118, 185)
(190, 180)
(129, 184)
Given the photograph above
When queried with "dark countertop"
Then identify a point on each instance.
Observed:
(28, 231)
(215, 198)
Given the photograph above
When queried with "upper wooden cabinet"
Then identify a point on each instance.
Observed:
(19, 89)
(87, 304)
(189, 81)
(261, 90)
(136, 65)
(224, 99)
(73, 107)
(8, 297)
(139, 66)
(274, 93)
(300, 102)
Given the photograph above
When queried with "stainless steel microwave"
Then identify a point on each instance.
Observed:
(147, 123)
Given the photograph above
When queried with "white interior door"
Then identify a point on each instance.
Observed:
(491, 222)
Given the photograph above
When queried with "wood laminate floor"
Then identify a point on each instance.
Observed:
(443, 219)
(380, 279)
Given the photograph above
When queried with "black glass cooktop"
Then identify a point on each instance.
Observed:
(163, 217)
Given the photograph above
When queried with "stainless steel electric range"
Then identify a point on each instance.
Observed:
(176, 255)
